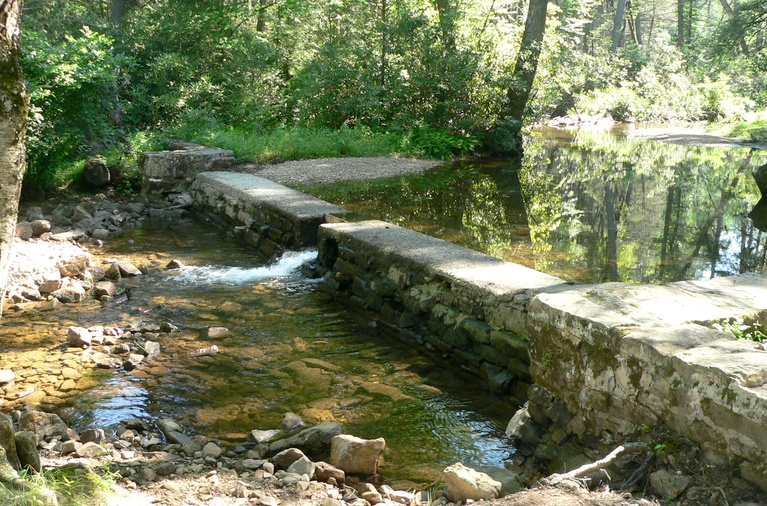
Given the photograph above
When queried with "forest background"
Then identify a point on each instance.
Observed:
(278, 79)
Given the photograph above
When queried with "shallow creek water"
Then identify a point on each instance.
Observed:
(291, 348)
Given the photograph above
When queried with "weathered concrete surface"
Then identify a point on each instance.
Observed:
(462, 302)
(622, 356)
(266, 215)
(174, 170)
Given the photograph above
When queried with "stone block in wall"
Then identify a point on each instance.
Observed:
(175, 170)
(619, 357)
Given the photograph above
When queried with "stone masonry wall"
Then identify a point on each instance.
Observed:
(613, 357)
(450, 298)
(263, 214)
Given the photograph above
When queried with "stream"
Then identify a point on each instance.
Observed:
(290, 348)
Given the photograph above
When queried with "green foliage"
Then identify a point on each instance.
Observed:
(437, 143)
(741, 329)
(295, 143)
(74, 107)
(78, 486)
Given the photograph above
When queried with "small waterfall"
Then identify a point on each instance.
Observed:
(287, 265)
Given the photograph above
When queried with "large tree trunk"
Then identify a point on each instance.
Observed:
(13, 126)
(620, 14)
(117, 11)
(527, 59)
(680, 42)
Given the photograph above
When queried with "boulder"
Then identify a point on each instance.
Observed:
(286, 458)
(91, 450)
(73, 292)
(45, 425)
(669, 485)
(50, 285)
(7, 376)
(93, 436)
(133, 361)
(302, 466)
(356, 455)
(465, 483)
(73, 267)
(26, 449)
(30, 293)
(24, 230)
(79, 337)
(292, 423)
(325, 471)
(104, 288)
(212, 450)
(262, 436)
(127, 269)
(40, 227)
(8, 440)
(96, 172)
(315, 440)
(217, 332)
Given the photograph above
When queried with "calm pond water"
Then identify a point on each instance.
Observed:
(291, 348)
(587, 206)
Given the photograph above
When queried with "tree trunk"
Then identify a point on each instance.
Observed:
(13, 126)
(117, 11)
(620, 14)
(680, 24)
(527, 59)
(261, 21)
(447, 14)
(742, 41)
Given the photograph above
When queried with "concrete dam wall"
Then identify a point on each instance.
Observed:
(600, 360)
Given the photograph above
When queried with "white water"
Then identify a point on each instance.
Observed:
(287, 265)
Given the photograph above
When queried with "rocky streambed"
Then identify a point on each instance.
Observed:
(58, 261)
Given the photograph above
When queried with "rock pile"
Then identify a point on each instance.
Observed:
(50, 261)
(159, 456)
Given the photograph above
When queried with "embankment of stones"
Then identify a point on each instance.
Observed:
(603, 360)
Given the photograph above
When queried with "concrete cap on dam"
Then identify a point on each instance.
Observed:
(264, 192)
(443, 258)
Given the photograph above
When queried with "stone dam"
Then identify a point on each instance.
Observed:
(599, 361)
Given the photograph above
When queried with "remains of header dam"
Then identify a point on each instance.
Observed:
(597, 360)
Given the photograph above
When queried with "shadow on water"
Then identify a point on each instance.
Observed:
(587, 206)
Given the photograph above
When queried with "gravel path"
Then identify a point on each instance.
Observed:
(330, 170)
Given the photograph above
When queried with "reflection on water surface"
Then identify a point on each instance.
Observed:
(587, 206)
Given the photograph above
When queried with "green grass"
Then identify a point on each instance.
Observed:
(754, 128)
(296, 143)
(77, 485)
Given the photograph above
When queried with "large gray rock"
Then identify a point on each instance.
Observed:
(74, 266)
(287, 457)
(465, 483)
(669, 485)
(302, 466)
(8, 441)
(315, 440)
(45, 425)
(356, 455)
(79, 337)
(26, 449)
(72, 292)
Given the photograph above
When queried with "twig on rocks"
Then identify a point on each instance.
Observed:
(557, 479)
